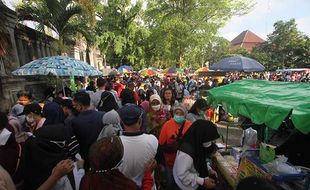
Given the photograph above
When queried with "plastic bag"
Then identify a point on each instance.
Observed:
(279, 166)
(249, 138)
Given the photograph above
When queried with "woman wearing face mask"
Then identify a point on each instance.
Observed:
(156, 116)
(197, 111)
(170, 137)
(190, 169)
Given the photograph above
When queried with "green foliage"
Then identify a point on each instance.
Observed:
(183, 31)
(61, 16)
(286, 47)
(121, 35)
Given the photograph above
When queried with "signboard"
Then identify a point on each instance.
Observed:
(248, 168)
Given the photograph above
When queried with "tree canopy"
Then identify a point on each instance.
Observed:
(61, 16)
(163, 33)
(121, 35)
(286, 47)
(181, 31)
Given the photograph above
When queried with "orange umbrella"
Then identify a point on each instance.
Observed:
(202, 69)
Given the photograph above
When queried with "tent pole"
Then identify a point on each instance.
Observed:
(63, 88)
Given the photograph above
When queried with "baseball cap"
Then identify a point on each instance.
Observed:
(130, 114)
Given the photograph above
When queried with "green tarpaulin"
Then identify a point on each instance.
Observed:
(266, 102)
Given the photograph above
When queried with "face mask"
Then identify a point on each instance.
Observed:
(29, 119)
(210, 149)
(179, 119)
(156, 108)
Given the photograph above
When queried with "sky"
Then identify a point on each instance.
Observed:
(261, 18)
(265, 13)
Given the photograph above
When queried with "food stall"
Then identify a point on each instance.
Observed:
(269, 104)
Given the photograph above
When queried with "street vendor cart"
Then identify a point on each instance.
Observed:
(268, 104)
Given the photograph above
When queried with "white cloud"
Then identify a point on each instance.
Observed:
(303, 25)
(265, 13)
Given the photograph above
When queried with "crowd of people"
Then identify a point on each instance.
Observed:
(285, 76)
(117, 133)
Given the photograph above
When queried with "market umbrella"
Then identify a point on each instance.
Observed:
(173, 71)
(238, 63)
(61, 66)
(154, 69)
(147, 72)
(125, 69)
(202, 69)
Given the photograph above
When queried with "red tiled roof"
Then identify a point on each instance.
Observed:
(247, 37)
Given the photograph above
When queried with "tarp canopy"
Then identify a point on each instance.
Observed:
(266, 102)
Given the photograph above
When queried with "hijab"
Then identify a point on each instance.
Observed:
(42, 152)
(105, 156)
(111, 118)
(53, 114)
(201, 132)
(112, 124)
(156, 97)
(107, 102)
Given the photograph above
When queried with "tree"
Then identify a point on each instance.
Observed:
(208, 54)
(86, 23)
(58, 15)
(181, 29)
(120, 32)
(286, 47)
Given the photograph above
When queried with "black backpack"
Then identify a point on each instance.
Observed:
(107, 102)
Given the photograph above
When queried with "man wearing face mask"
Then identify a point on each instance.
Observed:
(170, 137)
(156, 116)
(190, 170)
(34, 118)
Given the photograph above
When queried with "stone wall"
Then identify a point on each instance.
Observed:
(25, 45)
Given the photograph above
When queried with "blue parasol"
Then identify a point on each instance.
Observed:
(238, 63)
(124, 69)
(61, 66)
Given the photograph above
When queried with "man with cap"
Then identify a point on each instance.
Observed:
(34, 118)
(170, 137)
(139, 148)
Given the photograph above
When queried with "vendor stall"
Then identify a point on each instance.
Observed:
(268, 104)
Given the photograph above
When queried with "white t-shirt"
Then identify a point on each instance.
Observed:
(138, 150)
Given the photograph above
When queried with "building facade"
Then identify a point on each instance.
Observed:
(26, 44)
